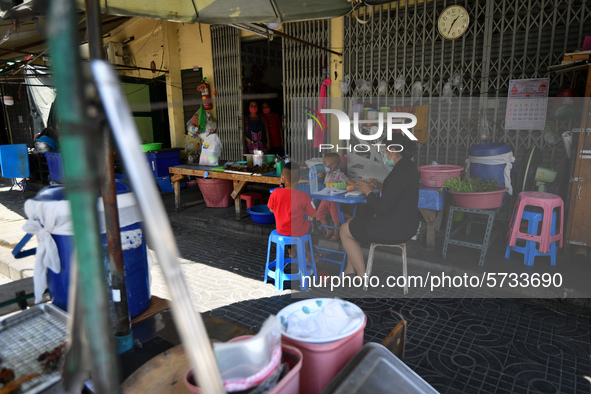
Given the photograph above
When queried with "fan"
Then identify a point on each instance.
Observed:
(527, 171)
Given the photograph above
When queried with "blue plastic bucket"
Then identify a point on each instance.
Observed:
(135, 261)
(488, 171)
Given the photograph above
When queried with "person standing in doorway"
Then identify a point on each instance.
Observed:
(275, 130)
(256, 132)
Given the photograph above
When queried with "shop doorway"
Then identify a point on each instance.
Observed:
(262, 75)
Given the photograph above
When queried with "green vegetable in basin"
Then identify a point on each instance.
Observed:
(470, 185)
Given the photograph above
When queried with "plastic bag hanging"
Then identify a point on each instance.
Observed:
(382, 88)
(456, 80)
(399, 83)
(363, 86)
(447, 93)
(416, 92)
(345, 85)
(483, 132)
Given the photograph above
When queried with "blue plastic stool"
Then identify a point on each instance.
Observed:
(530, 251)
(280, 261)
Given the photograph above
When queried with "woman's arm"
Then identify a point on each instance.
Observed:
(392, 189)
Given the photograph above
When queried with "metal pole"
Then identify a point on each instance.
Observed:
(109, 192)
(81, 187)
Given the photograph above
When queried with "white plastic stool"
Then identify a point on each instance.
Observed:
(402, 247)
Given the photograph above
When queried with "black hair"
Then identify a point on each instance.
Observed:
(335, 157)
(291, 171)
(409, 147)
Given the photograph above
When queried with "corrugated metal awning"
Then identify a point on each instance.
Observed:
(229, 11)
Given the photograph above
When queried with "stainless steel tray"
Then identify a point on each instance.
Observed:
(24, 336)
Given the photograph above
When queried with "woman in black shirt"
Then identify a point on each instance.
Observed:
(392, 216)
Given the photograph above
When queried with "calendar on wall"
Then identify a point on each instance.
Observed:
(526, 104)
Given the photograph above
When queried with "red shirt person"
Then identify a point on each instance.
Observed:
(290, 205)
(275, 130)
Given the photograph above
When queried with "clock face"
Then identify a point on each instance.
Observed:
(453, 22)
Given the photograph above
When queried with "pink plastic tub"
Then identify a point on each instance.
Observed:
(482, 200)
(290, 384)
(322, 362)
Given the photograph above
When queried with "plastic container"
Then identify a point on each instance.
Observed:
(290, 384)
(258, 158)
(373, 114)
(357, 109)
(278, 167)
(164, 184)
(269, 158)
(482, 200)
(322, 362)
(249, 159)
(261, 214)
(56, 169)
(135, 255)
(151, 146)
(489, 153)
(385, 109)
(216, 192)
(313, 180)
(160, 161)
(435, 175)
(376, 370)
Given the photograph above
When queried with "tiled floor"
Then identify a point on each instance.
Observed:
(469, 345)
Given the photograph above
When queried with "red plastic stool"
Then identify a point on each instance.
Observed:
(548, 202)
(251, 198)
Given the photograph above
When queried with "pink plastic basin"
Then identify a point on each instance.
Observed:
(290, 384)
(482, 200)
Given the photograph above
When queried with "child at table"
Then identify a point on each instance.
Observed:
(289, 205)
(331, 174)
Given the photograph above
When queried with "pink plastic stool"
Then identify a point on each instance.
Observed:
(251, 198)
(548, 202)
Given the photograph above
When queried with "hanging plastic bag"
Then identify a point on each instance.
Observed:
(447, 93)
(416, 92)
(363, 86)
(382, 88)
(196, 125)
(483, 132)
(456, 80)
(345, 85)
(399, 83)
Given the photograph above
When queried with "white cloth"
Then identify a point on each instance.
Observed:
(54, 217)
(46, 218)
(506, 159)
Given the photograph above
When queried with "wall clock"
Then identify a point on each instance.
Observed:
(453, 22)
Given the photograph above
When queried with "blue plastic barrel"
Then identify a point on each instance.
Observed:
(488, 171)
(135, 260)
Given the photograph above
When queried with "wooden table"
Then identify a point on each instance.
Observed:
(240, 181)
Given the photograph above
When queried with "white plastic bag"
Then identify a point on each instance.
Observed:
(345, 85)
(211, 150)
(363, 86)
(399, 83)
(416, 92)
(382, 88)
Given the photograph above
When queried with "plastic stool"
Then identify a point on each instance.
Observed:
(280, 262)
(251, 198)
(372, 249)
(548, 202)
(530, 251)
